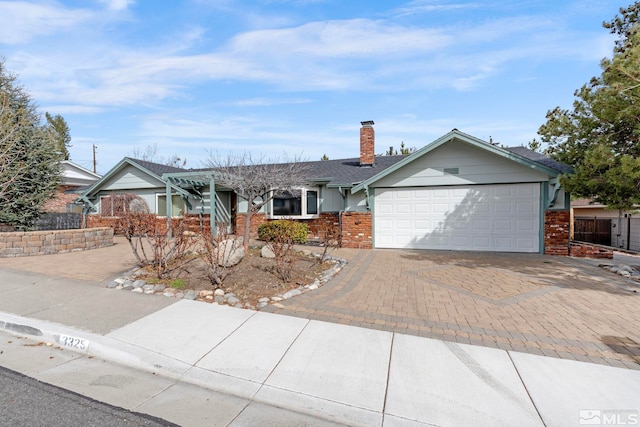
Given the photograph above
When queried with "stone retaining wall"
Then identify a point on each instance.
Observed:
(26, 243)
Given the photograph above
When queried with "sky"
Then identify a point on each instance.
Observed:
(294, 78)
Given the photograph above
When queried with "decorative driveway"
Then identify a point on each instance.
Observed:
(554, 306)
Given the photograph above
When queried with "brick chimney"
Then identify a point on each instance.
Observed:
(367, 143)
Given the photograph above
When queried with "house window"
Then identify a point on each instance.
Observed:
(113, 205)
(301, 203)
(116, 205)
(177, 205)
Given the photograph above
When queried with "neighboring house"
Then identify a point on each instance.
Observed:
(596, 223)
(457, 193)
(74, 178)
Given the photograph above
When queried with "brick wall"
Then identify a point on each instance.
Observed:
(192, 222)
(26, 243)
(58, 203)
(318, 226)
(556, 232)
(357, 230)
(256, 220)
(586, 250)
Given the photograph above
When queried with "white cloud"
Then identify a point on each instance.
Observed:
(117, 5)
(22, 21)
(268, 102)
(428, 6)
(335, 39)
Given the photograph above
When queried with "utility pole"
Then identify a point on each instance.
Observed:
(94, 158)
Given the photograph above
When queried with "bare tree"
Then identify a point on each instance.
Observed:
(257, 181)
(150, 154)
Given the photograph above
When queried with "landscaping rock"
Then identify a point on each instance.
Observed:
(229, 253)
(291, 293)
(218, 292)
(159, 288)
(265, 299)
(113, 285)
(219, 299)
(233, 300)
(139, 283)
(266, 252)
(128, 287)
(137, 290)
(191, 294)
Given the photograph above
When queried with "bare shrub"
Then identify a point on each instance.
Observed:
(280, 236)
(215, 251)
(330, 237)
(148, 239)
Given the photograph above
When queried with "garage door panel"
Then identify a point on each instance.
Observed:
(487, 217)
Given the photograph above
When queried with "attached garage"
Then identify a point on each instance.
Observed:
(504, 217)
(461, 193)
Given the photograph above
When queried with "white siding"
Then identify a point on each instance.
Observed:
(475, 166)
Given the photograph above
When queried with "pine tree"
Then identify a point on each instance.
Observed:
(29, 163)
(600, 136)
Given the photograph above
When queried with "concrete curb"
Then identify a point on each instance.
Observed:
(121, 353)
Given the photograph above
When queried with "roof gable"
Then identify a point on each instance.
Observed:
(517, 156)
(153, 170)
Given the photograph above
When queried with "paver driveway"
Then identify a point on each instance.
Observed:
(555, 306)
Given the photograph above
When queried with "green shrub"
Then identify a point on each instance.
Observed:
(283, 230)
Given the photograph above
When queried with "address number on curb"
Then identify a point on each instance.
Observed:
(73, 342)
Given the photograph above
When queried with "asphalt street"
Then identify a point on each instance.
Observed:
(25, 401)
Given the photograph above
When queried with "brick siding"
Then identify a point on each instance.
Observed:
(556, 232)
(26, 243)
(59, 202)
(357, 230)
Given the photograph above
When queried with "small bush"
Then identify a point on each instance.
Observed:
(295, 232)
(177, 283)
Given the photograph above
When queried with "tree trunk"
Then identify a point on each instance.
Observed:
(247, 231)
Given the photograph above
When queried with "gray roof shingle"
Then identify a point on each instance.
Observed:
(157, 168)
(540, 159)
(347, 172)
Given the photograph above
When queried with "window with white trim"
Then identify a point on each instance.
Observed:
(297, 203)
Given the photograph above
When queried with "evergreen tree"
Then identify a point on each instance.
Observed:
(61, 134)
(600, 136)
(29, 163)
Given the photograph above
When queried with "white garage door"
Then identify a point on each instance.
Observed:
(478, 217)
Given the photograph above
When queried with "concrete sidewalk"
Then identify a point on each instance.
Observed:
(320, 373)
